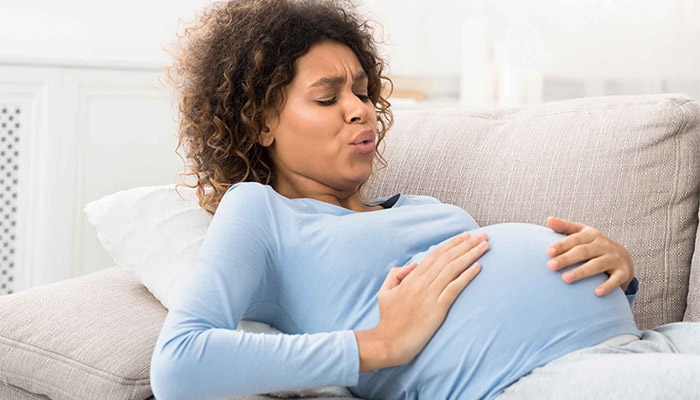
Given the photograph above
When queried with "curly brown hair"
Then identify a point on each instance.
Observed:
(229, 70)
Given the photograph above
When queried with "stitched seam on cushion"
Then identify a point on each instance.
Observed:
(44, 386)
(681, 106)
(24, 392)
(676, 135)
(516, 114)
(49, 388)
(690, 272)
(89, 369)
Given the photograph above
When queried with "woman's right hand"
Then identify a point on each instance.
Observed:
(414, 299)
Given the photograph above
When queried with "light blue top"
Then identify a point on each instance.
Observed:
(312, 270)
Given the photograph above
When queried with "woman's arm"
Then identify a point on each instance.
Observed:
(199, 354)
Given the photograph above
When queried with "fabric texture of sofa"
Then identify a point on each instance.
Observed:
(626, 165)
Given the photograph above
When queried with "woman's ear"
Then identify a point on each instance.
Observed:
(266, 138)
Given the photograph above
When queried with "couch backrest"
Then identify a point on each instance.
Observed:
(626, 165)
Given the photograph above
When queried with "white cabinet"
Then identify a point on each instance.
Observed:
(83, 132)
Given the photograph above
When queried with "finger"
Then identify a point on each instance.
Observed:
(469, 246)
(582, 252)
(395, 276)
(441, 277)
(569, 242)
(564, 226)
(405, 270)
(615, 280)
(590, 268)
(455, 287)
(430, 258)
(390, 281)
(435, 254)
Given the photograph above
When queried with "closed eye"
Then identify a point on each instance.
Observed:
(333, 100)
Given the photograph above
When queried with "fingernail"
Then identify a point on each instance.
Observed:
(553, 264)
(482, 235)
(569, 276)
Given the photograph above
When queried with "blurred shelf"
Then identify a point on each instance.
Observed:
(414, 104)
(88, 63)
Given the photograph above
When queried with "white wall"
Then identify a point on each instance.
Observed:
(611, 38)
(564, 48)
(616, 38)
(124, 31)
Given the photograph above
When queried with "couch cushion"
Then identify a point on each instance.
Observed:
(626, 165)
(89, 337)
(9, 392)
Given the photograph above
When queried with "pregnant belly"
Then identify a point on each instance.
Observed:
(516, 314)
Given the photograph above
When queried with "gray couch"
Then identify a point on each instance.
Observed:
(626, 165)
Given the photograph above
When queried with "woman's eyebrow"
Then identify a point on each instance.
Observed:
(335, 80)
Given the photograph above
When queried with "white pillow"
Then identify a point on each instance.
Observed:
(153, 232)
(157, 234)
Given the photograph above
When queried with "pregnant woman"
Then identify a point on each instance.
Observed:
(399, 297)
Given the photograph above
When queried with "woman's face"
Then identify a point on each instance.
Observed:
(310, 142)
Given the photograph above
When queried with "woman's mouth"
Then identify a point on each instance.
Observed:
(365, 147)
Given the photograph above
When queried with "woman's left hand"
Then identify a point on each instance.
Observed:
(583, 243)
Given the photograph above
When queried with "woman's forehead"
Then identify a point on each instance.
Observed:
(327, 64)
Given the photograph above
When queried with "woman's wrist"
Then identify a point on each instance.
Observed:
(374, 350)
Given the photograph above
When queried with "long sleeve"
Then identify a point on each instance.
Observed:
(199, 354)
(632, 290)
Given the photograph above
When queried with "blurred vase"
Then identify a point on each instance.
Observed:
(477, 76)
